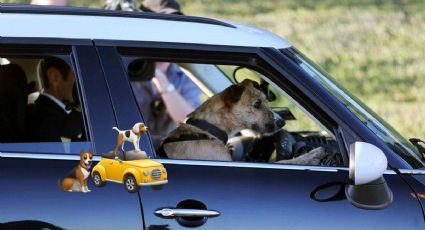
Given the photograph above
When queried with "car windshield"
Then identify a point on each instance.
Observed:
(376, 124)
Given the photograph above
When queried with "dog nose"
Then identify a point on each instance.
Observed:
(278, 120)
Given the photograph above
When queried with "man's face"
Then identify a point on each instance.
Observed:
(60, 87)
(67, 86)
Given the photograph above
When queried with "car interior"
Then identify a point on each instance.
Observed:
(20, 85)
(300, 133)
(18, 80)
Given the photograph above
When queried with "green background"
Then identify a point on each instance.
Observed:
(375, 48)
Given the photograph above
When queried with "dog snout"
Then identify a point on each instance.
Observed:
(278, 120)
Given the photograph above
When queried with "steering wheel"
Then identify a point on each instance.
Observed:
(284, 145)
(260, 148)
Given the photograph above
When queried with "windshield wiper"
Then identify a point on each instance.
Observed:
(421, 148)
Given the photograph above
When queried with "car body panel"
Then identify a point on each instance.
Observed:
(273, 198)
(30, 190)
(121, 98)
(135, 29)
(36, 196)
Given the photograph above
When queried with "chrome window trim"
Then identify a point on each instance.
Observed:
(412, 171)
(44, 156)
(197, 163)
(258, 165)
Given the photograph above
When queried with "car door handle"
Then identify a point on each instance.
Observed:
(181, 212)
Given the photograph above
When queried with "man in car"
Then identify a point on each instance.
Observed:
(54, 117)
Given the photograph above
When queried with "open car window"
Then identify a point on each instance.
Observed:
(237, 115)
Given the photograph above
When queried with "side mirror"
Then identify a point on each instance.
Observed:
(368, 188)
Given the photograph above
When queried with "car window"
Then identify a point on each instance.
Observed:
(247, 118)
(41, 110)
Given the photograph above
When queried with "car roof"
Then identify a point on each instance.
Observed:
(84, 23)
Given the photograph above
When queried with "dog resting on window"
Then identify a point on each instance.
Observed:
(205, 133)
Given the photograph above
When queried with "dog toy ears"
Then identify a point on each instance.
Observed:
(142, 125)
(82, 152)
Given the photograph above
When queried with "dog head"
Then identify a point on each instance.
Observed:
(248, 105)
(140, 128)
(86, 158)
(240, 106)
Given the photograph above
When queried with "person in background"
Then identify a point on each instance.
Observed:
(161, 6)
(171, 95)
(50, 2)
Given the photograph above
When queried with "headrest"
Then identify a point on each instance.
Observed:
(12, 76)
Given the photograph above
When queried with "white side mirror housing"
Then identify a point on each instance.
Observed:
(367, 163)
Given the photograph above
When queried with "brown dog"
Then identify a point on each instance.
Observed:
(132, 136)
(203, 137)
(76, 180)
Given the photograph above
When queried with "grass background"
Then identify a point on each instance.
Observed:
(375, 48)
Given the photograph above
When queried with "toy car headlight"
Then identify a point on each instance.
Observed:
(164, 170)
(146, 172)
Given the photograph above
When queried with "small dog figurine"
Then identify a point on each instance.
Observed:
(76, 180)
(132, 136)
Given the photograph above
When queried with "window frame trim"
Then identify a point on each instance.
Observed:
(55, 47)
(252, 57)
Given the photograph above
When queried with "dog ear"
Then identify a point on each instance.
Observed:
(256, 85)
(233, 94)
(82, 153)
(90, 152)
(247, 82)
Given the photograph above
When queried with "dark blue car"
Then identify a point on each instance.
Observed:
(371, 177)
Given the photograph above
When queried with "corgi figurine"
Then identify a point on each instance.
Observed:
(76, 180)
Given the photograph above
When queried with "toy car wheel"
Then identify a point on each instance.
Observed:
(157, 187)
(97, 180)
(130, 184)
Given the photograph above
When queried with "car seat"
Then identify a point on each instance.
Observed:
(13, 102)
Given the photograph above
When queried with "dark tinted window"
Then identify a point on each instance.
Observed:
(41, 110)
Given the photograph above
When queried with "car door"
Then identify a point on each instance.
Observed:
(31, 172)
(242, 195)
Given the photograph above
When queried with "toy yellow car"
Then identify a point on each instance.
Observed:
(133, 171)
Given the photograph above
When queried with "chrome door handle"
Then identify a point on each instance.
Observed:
(181, 212)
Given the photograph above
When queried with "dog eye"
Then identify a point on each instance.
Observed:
(257, 104)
